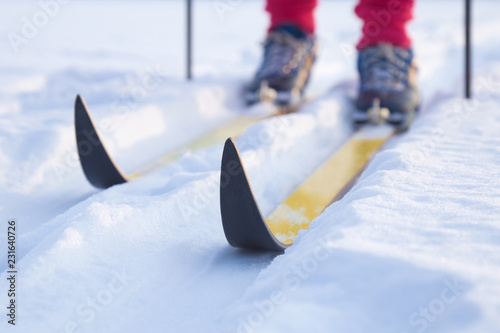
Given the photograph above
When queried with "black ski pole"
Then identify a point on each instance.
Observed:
(189, 39)
(467, 49)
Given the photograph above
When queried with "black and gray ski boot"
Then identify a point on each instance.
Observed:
(388, 88)
(288, 57)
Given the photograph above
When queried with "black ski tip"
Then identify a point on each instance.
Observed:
(97, 165)
(79, 101)
(242, 220)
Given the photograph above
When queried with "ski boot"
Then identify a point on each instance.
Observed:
(388, 89)
(281, 78)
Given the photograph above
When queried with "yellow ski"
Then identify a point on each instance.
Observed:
(102, 172)
(242, 220)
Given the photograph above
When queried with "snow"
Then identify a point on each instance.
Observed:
(413, 247)
(423, 217)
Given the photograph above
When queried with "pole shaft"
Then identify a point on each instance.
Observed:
(467, 49)
(189, 40)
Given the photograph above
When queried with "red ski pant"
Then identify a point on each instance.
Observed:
(383, 20)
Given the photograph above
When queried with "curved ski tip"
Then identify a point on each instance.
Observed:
(229, 143)
(78, 99)
(98, 166)
(242, 220)
(230, 150)
(230, 154)
(80, 104)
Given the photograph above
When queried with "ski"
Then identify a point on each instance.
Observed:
(243, 222)
(102, 172)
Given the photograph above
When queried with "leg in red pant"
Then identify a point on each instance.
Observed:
(383, 20)
(296, 12)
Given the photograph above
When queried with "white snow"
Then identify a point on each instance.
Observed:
(413, 247)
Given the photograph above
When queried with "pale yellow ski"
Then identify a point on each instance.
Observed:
(234, 127)
(242, 220)
(328, 183)
(100, 168)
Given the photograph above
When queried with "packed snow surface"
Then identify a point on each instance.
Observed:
(413, 247)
